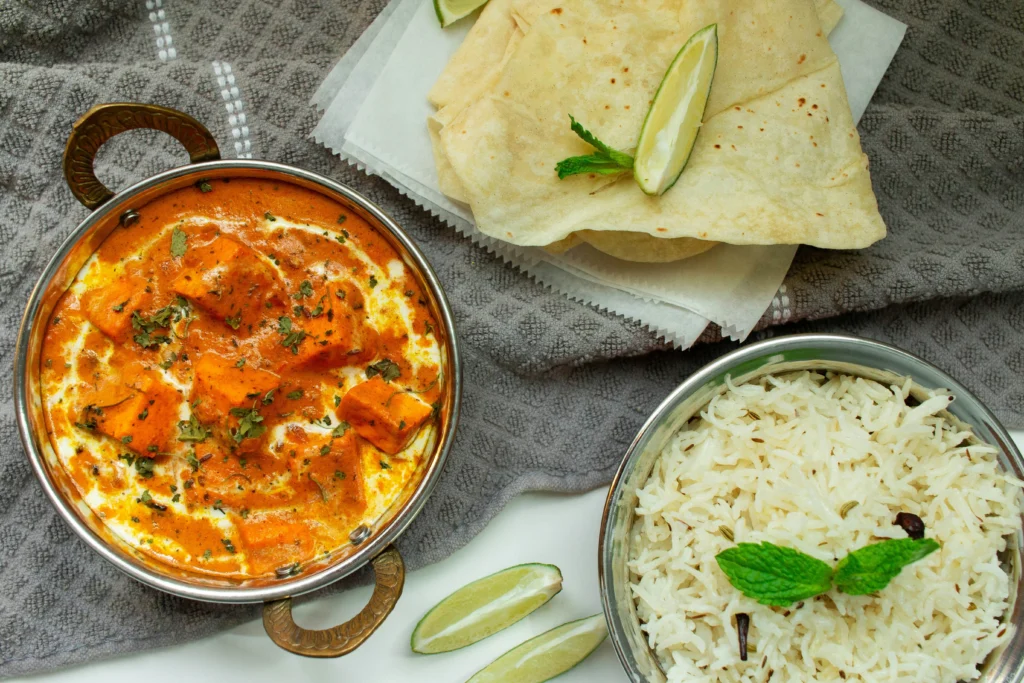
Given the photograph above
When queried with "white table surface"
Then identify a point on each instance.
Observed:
(557, 529)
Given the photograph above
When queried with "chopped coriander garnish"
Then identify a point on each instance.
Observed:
(234, 321)
(292, 395)
(342, 218)
(386, 368)
(249, 426)
(337, 400)
(208, 554)
(144, 466)
(305, 290)
(269, 397)
(338, 474)
(204, 186)
(144, 414)
(166, 364)
(126, 439)
(179, 243)
(192, 430)
(218, 505)
(292, 338)
(325, 449)
(373, 282)
(269, 216)
(384, 465)
(128, 458)
(340, 430)
(193, 462)
(120, 307)
(240, 363)
(176, 497)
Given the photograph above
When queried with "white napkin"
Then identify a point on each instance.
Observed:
(375, 102)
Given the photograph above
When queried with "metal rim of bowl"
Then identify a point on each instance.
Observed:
(1007, 664)
(303, 584)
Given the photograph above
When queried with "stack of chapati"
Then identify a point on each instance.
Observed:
(778, 159)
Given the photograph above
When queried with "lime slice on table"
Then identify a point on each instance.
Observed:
(676, 112)
(485, 606)
(548, 655)
(450, 11)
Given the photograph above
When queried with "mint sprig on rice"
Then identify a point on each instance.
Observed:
(778, 577)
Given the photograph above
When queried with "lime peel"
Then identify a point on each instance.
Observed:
(548, 655)
(672, 123)
(485, 607)
(450, 11)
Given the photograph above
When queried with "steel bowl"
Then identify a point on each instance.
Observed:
(826, 352)
(368, 544)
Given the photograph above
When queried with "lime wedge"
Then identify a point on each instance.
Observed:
(676, 112)
(450, 11)
(548, 655)
(485, 606)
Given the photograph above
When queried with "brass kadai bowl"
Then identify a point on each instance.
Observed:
(368, 544)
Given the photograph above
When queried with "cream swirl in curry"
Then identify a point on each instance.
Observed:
(241, 378)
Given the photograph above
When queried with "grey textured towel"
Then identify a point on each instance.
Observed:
(554, 390)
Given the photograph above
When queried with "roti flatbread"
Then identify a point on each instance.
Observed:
(778, 160)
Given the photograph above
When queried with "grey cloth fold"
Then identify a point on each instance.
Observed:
(554, 390)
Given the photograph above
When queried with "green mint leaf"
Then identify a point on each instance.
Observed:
(605, 162)
(871, 568)
(773, 575)
(178, 243)
(590, 163)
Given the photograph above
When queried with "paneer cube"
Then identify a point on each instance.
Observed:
(221, 385)
(383, 414)
(331, 341)
(271, 542)
(328, 468)
(229, 281)
(110, 308)
(144, 422)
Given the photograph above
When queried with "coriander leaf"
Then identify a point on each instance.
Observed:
(293, 395)
(773, 575)
(340, 430)
(192, 430)
(386, 368)
(606, 161)
(871, 568)
(144, 466)
(249, 426)
(179, 243)
(204, 186)
(235, 321)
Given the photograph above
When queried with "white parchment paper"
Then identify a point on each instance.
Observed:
(375, 111)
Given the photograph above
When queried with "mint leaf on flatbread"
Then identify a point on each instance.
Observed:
(871, 568)
(773, 575)
(605, 162)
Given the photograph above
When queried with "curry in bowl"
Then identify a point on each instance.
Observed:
(241, 378)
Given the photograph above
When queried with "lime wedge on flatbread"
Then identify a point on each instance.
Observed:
(485, 607)
(450, 11)
(548, 655)
(676, 113)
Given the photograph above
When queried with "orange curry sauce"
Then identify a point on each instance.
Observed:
(241, 378)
